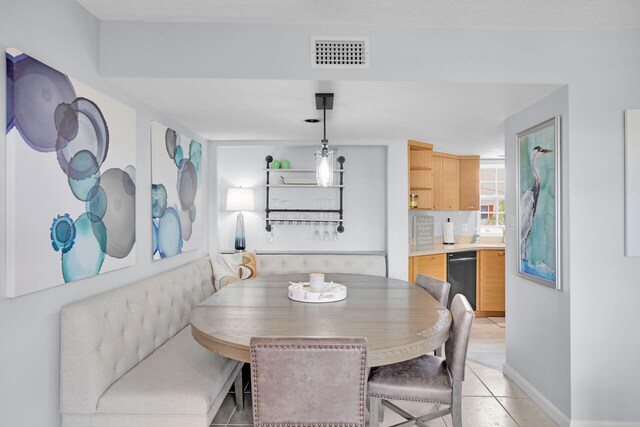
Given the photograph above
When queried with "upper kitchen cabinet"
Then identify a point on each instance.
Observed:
(443, 181)
(470, 183)
(437, 182)
(420, 173)
(450, 183)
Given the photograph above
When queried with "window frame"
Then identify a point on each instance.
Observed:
(492, 230)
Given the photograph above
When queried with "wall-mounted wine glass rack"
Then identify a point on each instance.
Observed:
(299, 221)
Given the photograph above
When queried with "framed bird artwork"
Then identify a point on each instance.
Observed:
(538, 176)
(632, 182)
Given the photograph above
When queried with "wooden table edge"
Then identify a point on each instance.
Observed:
(378, 357)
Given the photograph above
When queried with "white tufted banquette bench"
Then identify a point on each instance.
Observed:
(128, 358)
(374, 264)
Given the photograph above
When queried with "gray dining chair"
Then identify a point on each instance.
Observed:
(439, 289)
(308, 381)
(427, 378)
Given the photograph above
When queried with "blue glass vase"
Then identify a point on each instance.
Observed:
(240, 242)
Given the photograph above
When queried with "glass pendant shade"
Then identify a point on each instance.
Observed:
(324, 167)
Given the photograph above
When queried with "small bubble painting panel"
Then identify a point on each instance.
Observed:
(70, 178)
(176, 195)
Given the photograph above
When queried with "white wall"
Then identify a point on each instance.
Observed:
(364, 198)
(601, 69)
(63, 35)
(604, 284)
(374, 199)
(538, 318)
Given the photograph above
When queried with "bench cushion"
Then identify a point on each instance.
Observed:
(180, 378)
(105, 336)
(374, 265)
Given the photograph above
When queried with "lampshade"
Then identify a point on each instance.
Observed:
(240, 199)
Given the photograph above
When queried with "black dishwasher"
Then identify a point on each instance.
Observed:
(461, 274)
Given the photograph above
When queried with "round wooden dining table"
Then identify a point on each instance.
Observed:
(400, 321)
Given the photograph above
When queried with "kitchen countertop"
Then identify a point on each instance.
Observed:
(458, 247)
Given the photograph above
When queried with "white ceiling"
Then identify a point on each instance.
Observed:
(531, 14)
(460, 118)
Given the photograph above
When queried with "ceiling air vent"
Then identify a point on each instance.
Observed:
(339, 53)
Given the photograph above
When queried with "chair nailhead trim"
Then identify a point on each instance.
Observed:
(387, 397)
(256, 392)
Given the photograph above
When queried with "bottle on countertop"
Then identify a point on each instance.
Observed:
(476, 237)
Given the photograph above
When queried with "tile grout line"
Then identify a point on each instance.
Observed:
(507, 411)
(494, 396)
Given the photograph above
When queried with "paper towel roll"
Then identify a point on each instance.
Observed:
(447, 232)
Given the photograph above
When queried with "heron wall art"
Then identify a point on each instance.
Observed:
(538, 200)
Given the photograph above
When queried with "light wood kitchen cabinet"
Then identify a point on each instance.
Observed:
(420, 179)
(420, 158)
(437, 182)
(431, 265)
(443, 181)
(470, 184)
(420, 173)
(450, 184)
(490, 289)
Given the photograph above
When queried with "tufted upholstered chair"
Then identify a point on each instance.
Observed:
(439, 289)
(309, 381)
(427, 378)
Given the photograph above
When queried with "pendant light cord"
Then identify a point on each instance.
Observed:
(324, 122)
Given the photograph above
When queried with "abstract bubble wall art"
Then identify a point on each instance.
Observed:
(176, 176)
(70, 178)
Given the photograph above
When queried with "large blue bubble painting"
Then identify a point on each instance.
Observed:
(176, 176)
(70, 157)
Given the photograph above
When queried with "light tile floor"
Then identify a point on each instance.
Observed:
(489, 399)
(486, 344)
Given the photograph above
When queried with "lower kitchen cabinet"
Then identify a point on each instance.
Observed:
(431, 265)
(490, 282)
(490, 297)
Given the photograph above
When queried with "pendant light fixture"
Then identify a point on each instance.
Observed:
(324, 156)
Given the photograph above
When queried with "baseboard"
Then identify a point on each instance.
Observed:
(545, 404)
(579, 423)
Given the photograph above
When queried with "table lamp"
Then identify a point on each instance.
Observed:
(240, 199)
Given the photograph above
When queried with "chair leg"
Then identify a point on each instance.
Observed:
(456, 404)
(381, 412)
(374, 411)
(239, 392)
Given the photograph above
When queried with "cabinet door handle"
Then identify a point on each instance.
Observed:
(501, 253)
(471, 207)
